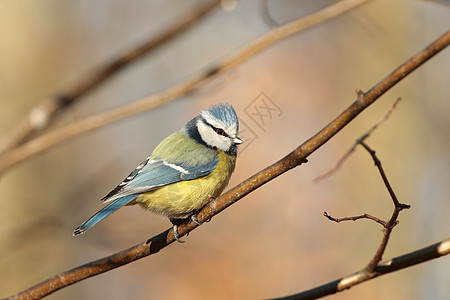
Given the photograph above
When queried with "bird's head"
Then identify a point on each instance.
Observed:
(215, 127)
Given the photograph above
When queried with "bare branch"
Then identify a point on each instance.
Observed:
(398, 207)
(292, 160)
(398, 263)
(365, 136)
(42, 115)
(40, 144)
(355, 218)
(388, 225)
(386, 117)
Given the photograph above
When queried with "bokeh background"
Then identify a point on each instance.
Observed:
(275, 241)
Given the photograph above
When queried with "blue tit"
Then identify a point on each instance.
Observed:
(185, 171)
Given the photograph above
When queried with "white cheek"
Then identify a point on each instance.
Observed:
(212, 139)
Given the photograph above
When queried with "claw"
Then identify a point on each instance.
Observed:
(195, 220)
(176, 235)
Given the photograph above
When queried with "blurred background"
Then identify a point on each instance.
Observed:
(275, 241)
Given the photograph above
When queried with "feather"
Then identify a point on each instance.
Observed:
(158, 173)
(103, 213)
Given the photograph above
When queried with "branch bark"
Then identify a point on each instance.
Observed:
(292, 160)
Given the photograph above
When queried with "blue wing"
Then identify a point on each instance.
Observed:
(155, 173)
(148, 176)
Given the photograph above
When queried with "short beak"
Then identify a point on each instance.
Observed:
(237, 140)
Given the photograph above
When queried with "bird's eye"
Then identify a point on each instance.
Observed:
(220, 131)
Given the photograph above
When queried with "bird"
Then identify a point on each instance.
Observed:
(186, 170)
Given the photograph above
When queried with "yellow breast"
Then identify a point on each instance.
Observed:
(180, 199)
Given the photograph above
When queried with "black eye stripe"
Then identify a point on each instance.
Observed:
(217, 130)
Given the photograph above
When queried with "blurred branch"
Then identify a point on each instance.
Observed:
(40, 144)
(398, 263)
(42, 115)
(366, 135)
(265, 14)
(444, 2)
(290, 161)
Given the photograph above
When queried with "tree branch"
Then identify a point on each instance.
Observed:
(40, 144)
(365, 136)
(398, 263)
(42, 115)
(292, 160)
(355, 218)
(398, 207)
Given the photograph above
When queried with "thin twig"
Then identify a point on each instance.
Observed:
(290, 161)
(352, 149)
(388, 225)
(44, 142)
(41, 116)
(355, 218)
(398, 263)
(398, 207)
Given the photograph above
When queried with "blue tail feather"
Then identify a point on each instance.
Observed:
(103, 213)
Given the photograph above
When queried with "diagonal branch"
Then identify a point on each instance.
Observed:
(292, 160)
(42, 115)
(398, 263)
(51, 139)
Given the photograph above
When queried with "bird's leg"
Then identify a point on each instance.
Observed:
(176, 235)
(175, 223)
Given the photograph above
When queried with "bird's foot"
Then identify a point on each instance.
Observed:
(195, 220)
(176, 235)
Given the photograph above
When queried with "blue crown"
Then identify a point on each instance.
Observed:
(226, 113)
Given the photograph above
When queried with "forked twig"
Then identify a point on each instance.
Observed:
(398, 207)
(374, 266)
(388, 225)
